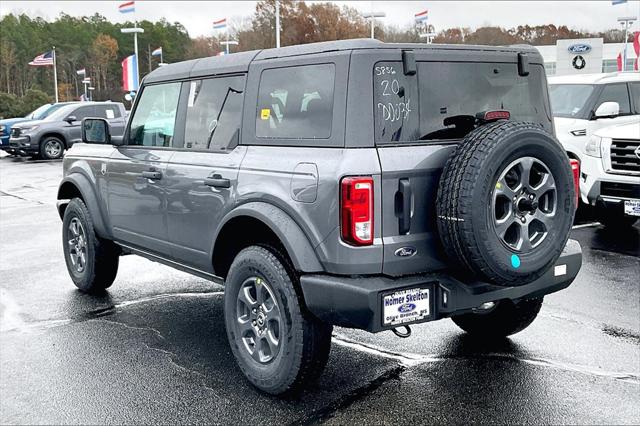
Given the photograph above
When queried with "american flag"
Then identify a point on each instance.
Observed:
(43, 60)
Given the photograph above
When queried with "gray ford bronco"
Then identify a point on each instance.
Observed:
(351, 183)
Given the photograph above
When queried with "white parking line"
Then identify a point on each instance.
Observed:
(585, 225)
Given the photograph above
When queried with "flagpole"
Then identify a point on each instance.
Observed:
(227, 28)
(55, 74)
(277, 24)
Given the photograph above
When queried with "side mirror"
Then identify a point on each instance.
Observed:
(607, 109)
(95, 130)
(70, 119)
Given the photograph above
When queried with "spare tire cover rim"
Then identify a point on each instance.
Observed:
(524, 204)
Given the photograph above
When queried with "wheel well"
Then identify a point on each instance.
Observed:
(66, 192)
(238, 234)
(57, 135)
(572, 156)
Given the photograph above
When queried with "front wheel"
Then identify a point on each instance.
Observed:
(52, 148)
(505, 319)
(92, 262)
(278, 346)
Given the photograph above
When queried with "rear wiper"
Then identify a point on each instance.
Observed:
(224, 102)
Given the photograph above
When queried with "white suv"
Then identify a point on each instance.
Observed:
(610, 174)
(582, 104)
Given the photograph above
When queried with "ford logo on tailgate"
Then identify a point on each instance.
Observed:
(406, 252)
(407, 307)
(579, 48)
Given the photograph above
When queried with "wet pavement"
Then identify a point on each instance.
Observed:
(153, 349)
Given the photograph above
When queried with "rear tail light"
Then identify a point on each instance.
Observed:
(575, 168)
(356, 210)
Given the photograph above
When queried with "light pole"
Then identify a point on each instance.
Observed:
(627, 22)
(277, 24)
(371, 16)
(135, 31)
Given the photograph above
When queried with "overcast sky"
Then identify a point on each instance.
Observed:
(198, 16)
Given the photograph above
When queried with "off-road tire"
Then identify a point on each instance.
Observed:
(306, 341)
(44, 154)
(102, 256)
(505, 319)
(464, 212)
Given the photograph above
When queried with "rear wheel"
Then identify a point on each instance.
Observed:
(505, 319)
(51, 148)
(277, 344)
(92, 262)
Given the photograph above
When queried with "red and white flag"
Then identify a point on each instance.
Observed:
(43, 60)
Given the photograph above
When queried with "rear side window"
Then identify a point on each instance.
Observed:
(440, 102)
(108, 111)
(615, 93)
(153, 121)
(296, 102)
(214, 111)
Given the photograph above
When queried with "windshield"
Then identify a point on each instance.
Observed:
(61, 113)
(39, 113)
(568, 100)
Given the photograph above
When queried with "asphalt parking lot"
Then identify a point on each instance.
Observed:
(154, 350)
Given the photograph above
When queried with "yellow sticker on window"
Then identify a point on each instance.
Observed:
(265, 113)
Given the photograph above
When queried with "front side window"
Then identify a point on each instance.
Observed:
(615, 93)
(153, 121)
(569, 100)
(296, 102)
(83, 112)
(214, 111)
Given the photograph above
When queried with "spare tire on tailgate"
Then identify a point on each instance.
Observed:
(505, 202)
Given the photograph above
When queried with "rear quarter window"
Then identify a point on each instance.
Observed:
(296, 102)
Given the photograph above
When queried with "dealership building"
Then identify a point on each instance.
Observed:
(585, 56)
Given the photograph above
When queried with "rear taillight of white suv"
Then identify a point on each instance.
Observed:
(575, 169)
(356, 210)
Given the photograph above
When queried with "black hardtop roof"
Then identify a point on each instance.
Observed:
(239, 62)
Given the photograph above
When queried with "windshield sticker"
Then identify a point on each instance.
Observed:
(265, 113)
(110, 114)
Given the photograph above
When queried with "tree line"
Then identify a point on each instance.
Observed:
(98, 45)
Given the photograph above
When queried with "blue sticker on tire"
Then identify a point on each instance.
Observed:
(515, 261)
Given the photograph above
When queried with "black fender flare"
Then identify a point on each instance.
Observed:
(85, 187)
(298, 246)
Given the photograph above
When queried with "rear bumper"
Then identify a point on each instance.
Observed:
(357, 302)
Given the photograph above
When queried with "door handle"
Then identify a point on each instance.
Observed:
(403, 207)
(217, 181)
(152, 175)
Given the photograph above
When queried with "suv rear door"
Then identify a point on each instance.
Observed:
(203, 172)
(419, 119)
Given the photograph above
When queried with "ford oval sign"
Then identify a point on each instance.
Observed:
(407, 307)
(406, 252)
(579, 48)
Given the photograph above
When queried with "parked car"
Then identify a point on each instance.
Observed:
(351, 183)
(610, 175)
(39, 114)
(582, 104)
(48, 138)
